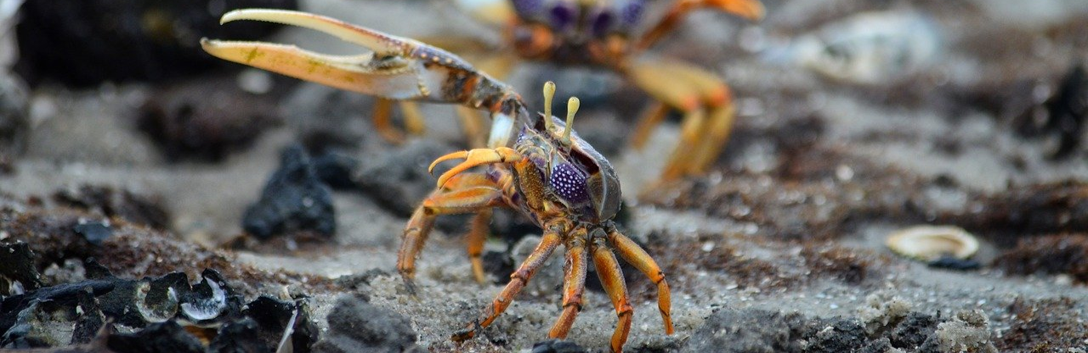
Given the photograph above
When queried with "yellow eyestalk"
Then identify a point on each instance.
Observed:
(549, 93)
(572, 108)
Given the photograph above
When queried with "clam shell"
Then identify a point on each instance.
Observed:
(928, 243)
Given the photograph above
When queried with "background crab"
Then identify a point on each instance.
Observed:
(610, 35)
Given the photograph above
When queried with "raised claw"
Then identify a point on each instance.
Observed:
(396, 68)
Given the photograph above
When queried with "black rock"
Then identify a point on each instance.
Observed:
(164, 337)
(111, 202)
(294, 199)
(557, 346)
(94, 231)
(17, 264)
(238, 337)
(90, 318)
(273, 316)
(83, 43)
(206, 118)
(953, 263)
(839, 335)
(913, 331)
(336, 169)
(357, 326)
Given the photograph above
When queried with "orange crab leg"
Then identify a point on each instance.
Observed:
(477, 236)
(646, 124)
(608, 269)
(574, 284)
(518, 279)
(749, 9)
(464, 196)
(636, 256)
(475, 157)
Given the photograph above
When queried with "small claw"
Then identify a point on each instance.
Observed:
(474, 158)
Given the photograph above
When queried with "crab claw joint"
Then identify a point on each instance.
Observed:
(394, 67)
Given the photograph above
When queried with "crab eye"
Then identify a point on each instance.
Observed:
(602, 22)
(569, 183)
(562, 15)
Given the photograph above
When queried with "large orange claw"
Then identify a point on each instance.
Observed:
(476, 157)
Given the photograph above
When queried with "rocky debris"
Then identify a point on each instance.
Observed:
(336, 169)
(158, 314)
(1044, 325)
(1054, 254)
(132, 251)
(205, 121)
(110, 202)
(1036, 209)
(84, 43)
(294, 199)
(883, 326)
(355, 325)
(399, 179)
(18, 272)
(730, 330)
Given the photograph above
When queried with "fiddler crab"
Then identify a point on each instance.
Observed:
(602, 34)
(535, 164)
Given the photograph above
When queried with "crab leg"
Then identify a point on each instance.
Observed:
(707, 106)
(636, 256)
(467, 193)
(477, 236)
(608, 269)
(574, 284)
(749, 9)
(518, 279)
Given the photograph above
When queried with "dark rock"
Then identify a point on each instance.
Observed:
(111, 202)
(748, 330)
(83, 43)
(336, 169)
(294, 199)
(1062, 114)
(90, 318)
(881, 345)
(160, 337)
(953, 263)
(399, 180)
(913, 331)
(357, 326)
(206, 119)
(557, 346)
(94, 231)
(357, 280)
(17, 264)
(273, 316)
(238, 337)
(840, 335)
(94, 270)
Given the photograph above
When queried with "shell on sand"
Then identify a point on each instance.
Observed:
(928, 243)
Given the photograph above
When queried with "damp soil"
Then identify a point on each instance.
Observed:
(778, 247)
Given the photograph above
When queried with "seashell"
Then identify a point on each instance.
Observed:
(929, 243)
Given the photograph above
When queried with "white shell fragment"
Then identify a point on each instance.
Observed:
(928, 243)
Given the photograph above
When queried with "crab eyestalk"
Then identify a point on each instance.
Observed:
(572, 108)
(549, 93)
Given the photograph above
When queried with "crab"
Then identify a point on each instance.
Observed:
(602, 34)
(534, 164)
